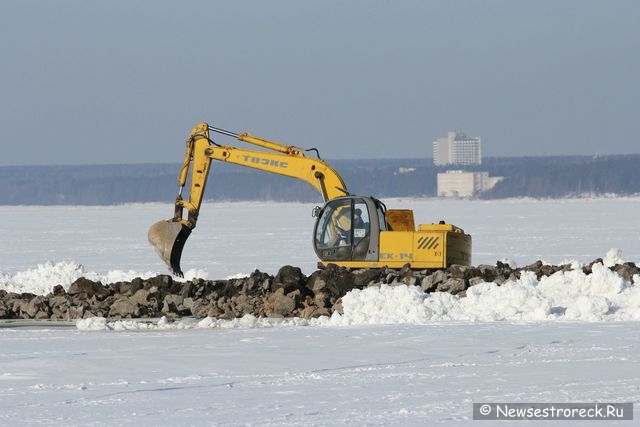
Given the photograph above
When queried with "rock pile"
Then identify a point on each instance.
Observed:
(287, 294)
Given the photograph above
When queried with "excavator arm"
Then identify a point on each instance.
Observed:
(168, 237)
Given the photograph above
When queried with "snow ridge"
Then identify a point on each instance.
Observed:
(572, 295)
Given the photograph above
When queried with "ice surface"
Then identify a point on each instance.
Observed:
(394, 375)
(234, 238)
(395, 357)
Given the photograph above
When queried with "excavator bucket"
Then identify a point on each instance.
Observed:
(168, 238)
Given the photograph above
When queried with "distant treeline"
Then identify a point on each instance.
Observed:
(538, 177)
(565, 176)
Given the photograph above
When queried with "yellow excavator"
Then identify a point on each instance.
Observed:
(350, 231)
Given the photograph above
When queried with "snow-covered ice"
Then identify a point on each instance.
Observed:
(396, 375)
(233, 238)
(395, 357)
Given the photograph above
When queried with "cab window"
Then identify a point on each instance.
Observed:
(342, 232)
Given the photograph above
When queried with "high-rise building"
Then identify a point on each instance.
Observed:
(457, 149)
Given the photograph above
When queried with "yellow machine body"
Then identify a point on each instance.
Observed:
(431, 246)
(387, 238)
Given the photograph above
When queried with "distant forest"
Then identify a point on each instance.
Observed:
(538, 177)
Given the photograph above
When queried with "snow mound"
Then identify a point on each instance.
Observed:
(613, 257)
(245, 322)
(42, 279)
(573, 295)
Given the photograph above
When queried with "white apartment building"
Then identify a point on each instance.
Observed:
(456, 183)
(457, 149)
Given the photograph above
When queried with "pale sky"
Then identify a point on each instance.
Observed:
(86, 82)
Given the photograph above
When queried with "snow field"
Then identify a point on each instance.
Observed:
(237, 237)
(395, 357)
(410, 375)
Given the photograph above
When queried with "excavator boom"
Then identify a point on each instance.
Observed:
(168, 237)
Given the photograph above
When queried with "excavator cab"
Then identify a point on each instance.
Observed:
(359, 232)
(348, 229)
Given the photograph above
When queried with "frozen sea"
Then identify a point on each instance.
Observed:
(396, 356)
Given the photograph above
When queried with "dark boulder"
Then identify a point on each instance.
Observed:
(289, 278)
(84, 288)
